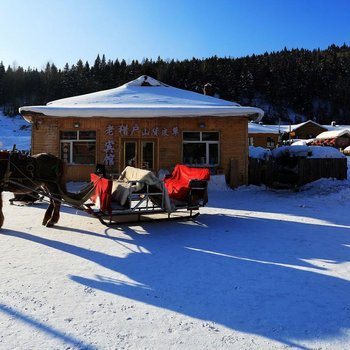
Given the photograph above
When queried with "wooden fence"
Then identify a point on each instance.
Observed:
(256, 171)
(311, 169)
(269, 173)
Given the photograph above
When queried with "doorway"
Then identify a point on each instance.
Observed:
(140, 153)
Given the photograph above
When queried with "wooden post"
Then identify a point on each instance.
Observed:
(234, 178)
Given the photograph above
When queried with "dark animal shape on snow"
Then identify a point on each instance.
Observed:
(41, 173)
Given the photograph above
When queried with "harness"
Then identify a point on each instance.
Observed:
(11, 168)
(23, 172)
(6, 177)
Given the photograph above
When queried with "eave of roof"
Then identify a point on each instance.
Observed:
(140, 111)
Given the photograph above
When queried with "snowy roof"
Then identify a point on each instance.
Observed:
(301, 142)
(336, 127)
(254, 128)
(142, 98)
(297, 126)
(333, 134)
(282, 128)
(293, 127)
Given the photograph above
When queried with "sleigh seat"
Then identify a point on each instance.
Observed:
(139, 191)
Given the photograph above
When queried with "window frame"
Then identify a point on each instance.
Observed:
(270, 142)
(77, 140)
(207, 148)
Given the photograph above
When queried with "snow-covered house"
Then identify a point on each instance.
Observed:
(266, 136)
(144, 123)
(334, 138)
(331, 134)
(305, 130)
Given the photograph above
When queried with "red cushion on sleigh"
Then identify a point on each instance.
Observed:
(178, 183)
(102, 194)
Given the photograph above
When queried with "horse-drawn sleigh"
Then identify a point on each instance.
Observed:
(137, 194)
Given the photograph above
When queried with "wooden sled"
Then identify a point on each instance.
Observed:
(139, 196)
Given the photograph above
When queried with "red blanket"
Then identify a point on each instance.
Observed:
(102, 194)
(178, 183)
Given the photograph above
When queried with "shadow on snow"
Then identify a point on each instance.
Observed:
(44, 328)
(236, 274)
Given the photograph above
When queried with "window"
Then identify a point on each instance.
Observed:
(270, 142)
(78, 147)
(251, 141)
(201, 148)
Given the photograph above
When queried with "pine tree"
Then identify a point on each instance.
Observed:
(314, 83)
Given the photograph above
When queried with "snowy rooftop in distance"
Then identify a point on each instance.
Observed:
(333, 134)
(288, 128)
(254, 128)
(282, 128)
(336, 127)
(142, 98)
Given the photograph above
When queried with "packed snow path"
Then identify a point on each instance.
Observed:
(259, 269)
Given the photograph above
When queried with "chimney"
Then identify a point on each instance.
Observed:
(208, 89)
(145, 82)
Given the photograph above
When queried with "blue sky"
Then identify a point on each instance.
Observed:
(34, 32)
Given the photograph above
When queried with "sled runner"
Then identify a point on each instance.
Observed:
(138, 195)
(26, 198)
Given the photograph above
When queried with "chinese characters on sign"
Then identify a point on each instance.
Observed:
(109, 153)
(133, 130)
(109, 147)
(110, 130)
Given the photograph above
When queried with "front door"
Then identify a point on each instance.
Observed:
(140, 153)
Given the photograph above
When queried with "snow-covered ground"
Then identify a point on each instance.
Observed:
(14, 131)
(258, 269)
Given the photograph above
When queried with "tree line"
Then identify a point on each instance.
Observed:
(287, 85)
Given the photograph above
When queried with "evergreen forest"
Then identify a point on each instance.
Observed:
(289, 85)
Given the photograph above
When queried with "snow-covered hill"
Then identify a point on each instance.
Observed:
(14, 131)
